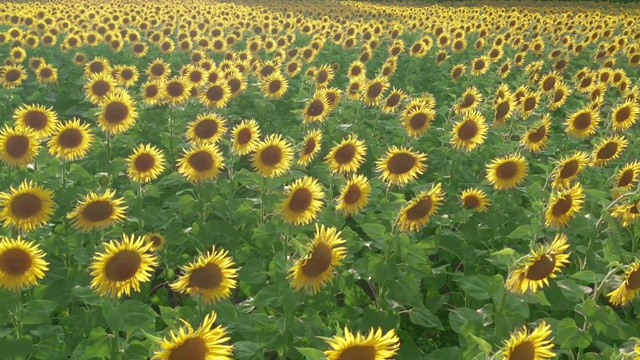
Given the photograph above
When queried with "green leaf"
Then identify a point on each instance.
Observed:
(587, 276)
(481, 287)
(311, 353)
(522, 232)
(424, 317)
(376, 233)
(460, 316)
(503, 258)
(37, 312)
(571, 336)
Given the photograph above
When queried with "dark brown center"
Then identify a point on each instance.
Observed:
(98, 210)
(622, 114)
(353, 194)
(582, 121)
(26, 205)
(123, 266)
(176, 89)
(70, 138)
(244, 136)
(100, 88)
(401, 163)
(542, 268)
(562, 205)
(15, 262)
(17, 146)
(607, 151)
(524, 351)
(144, 162)
(271, 155)
(206, 129)
(300, 200)
(116, 112)
(319, 261)
(345, 154)
(201, 161)
(207, 277)
(316, 108)
(420, 209)
(507, 170)
(468, 130)
(36, 119)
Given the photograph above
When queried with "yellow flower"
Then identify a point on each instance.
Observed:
(304, 199)
(122, 266)
(325, 252)
(470, 132)
(272, 156)
(207, 342)
(22, 264)
(98, 211)
(400, 166)
(375, 346)
(211, 276)
(37, 118)
(475, 199)
(70, 140)
(541, 265)
(347, 156)
(354, 195)
(629, 287)
(311, 146)
(524, 345)
(201, 163)
(146, 163)
(27, 207)
(507, 172)
(246, 137)
(416, 213)
(18, 147)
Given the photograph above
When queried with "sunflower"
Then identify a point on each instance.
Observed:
(627, 176)
(479, 65)
(568, 168)
(206, 129)
(117, 112)
(373, 91)
(536, 138)
(245, 137)
(22, 264)
(312, 143)
(333, 95)
(475, 199)
(156, 240)
(303, 200)
(471, 99)
(207, 342)
(560, 95)
(145, 164)
(582, 123)
(608, 149)
(324, 76)
(541, 265)
(12, 76)
(627, 214)
(274, 86)
(354, 89)
(629, 287)
(194, 75)
(325, 252)
(96, 66)
(317, 109)
(563, 206)
(417, 120)
(416, 213)
(354, 195)
(122, 266)
(503, 109)
(272, 156)
(36, 118)
(70, 140)
(395, 98)
(158, 70)
(98, 86)
(47, 74)
(347, 156)
(216, 95)
(152, 93)
(175, 91)
(139, 49)
(457, 71)
(400, 166)
(201, 163)
(624, 115)
(18, 146)
(549, 81)
(27, 207)
(98, 211)
(529, 103)
(211, 275)
(126, 75)
(375, 346)
(470, 132)
(507, 172)
(534, 346)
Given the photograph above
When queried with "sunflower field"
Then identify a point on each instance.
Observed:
(339, 180)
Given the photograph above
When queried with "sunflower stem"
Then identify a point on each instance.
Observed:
(171, 131)
(63, 171)
(116, 331)
(108, 148)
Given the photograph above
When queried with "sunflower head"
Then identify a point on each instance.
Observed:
(98, 211)
(245, 137)
(325, 252)
(122, 266)
(417, 213)
(354, 195)
(401, 165)
(18, 146)
(629, 287)
(212, 276)
(525, 345)
(310, 147)
(156, 240)
(507, 172)
(303, 200)
(206, 129)
(22, 264)
(70, 140)
(39, 119)
(563, 206)
(117, 112)
(347, 156)
(541, 265)
(201, 163)
(358, 346)
(272, 156)
(475, 199)
(146, 163)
